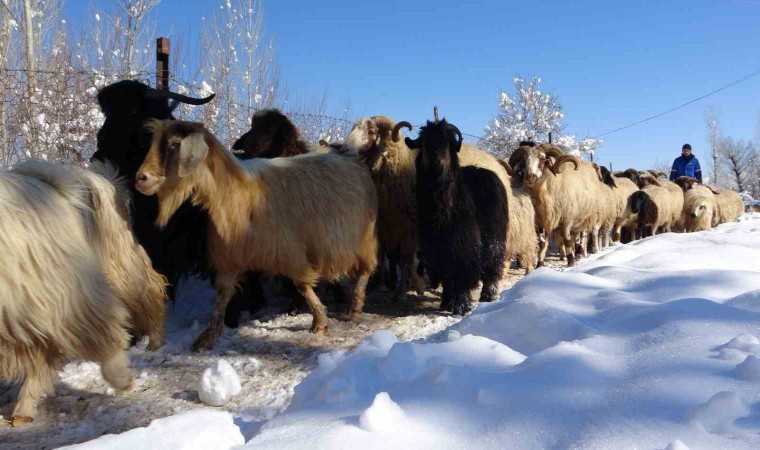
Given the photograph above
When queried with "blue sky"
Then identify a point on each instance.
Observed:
(610, 63)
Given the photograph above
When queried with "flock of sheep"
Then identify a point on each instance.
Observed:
(89, 256)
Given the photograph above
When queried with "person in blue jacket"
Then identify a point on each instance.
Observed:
(686, 165)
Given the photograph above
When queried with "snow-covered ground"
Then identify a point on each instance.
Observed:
(649, 345)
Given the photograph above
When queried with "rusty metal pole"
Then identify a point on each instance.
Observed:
(162, 63)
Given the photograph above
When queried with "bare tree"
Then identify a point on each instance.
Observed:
(740, 160)
(712, 117)
(238, 64)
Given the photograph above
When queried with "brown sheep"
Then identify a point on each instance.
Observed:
(285, 216)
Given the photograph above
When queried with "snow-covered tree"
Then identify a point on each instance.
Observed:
(531, 115)
(238, 63)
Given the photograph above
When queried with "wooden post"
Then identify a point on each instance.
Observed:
(435, 113)
(162, 63)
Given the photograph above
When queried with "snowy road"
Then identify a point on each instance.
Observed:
(649, 345)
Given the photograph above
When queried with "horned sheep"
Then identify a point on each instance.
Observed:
(285, 216)
(462, 213)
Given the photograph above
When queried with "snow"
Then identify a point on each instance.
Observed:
(652, 344)
(627, 350)
(202, 429)
(218, 383)
(383, 414)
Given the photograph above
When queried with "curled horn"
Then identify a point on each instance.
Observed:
(395, 133)
(456, 130)
(505, 165)
(563, 159)
(712, 189)
(551, 150)
(160, 94)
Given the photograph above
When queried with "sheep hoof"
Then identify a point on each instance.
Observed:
(540, 264)
(204, 342)
(154, 344)
(20, 420)
(318, 328)
(461, 309)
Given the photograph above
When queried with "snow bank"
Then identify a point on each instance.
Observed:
(651, 345)
(202, 429)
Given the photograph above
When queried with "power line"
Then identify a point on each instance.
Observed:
(681, 106)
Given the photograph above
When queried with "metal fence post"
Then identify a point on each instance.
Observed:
(162, 63)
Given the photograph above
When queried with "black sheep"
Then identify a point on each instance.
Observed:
(123, 139)
(462, 218)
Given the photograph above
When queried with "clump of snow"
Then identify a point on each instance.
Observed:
(382, 415)
(719, 413)
(744, 343)
(201, 429)
(218, 384)
(676, 445)
(749, 369)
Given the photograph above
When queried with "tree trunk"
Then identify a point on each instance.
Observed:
(30, 74)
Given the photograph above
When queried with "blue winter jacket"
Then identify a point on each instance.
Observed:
(686, 167)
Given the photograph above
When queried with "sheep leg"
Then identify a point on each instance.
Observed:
(298, 304)
(249, 297)
(115, 371)
(37, 385)
(406, 260)
(358, 293)
(377, 278)
(568, 242)
(318, 310)
(391, 276)
(225, 286)
(543, 243)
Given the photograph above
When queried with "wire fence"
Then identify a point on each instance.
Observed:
(54, 115)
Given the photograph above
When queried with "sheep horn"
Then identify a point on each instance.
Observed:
(161, 94)
(456, 130)
(563, 159)
(713, 190)
(505, 165)
(551, 150)
(395, 133)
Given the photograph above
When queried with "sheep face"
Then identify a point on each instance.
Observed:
(178, 149)
(536, 163)
(271, 135)
(362, 140)
(127, 105)
(438, 142)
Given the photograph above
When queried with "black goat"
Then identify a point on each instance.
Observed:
(462, 218)
(123, 139)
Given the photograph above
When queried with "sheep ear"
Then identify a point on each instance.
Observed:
(238, 145)
(412, 143)
(192, 152)
(714, 191)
